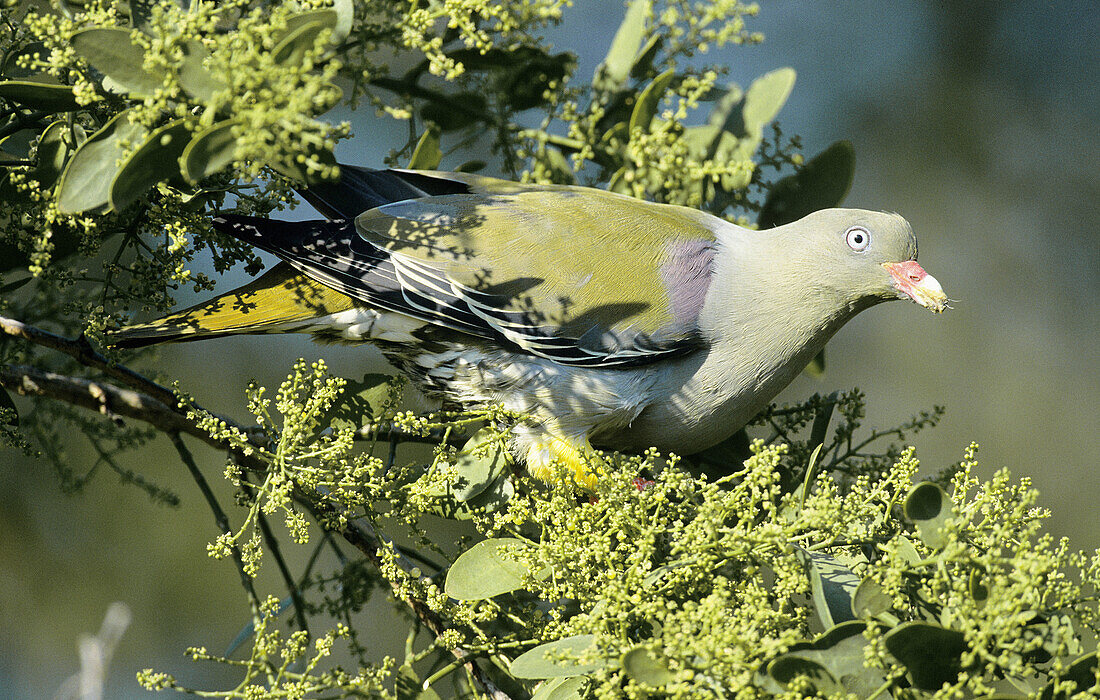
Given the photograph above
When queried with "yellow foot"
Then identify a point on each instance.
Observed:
(580, 461)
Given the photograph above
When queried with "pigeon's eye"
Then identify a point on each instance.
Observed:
(857, 238)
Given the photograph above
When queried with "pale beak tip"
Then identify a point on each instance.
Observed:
(912, 282)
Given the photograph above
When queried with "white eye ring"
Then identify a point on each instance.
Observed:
(858, 238)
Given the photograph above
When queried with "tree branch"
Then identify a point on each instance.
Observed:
(114, 403)
(83, 353)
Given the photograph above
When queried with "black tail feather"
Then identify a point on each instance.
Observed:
(360, 189)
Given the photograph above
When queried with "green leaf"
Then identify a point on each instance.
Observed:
(978, 584)
(111, 52)
(7, 402)
(561, 688)
(35, 95)
(427, 154)
(832, 584)
(471, 166)
(291, 51)
(650, 99)
(294, 165)
(409, 687)
(725, 109)
(556, 659)
(789, 667)
(870, 599)
(194, 77)
(345, 19)
(764, 98)
(86, 183)
(52, 153)
(559, 165)
(492, 500)
(452, 112)
(929, 507)
(485, 570)
(362, 402)
(841, 651)
(929, 652)
(613, 72)
(482, 460)
(643, 62)
(644, 666)
(821, 183)
(816, 368)
(527, 83)
(1082, 672)
(209, 151)
(327, 18)
(155, 160)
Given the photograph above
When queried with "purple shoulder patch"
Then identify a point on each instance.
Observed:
(686, 272)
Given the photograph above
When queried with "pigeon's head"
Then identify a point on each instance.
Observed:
(873, 256)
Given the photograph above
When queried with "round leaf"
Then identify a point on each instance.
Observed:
(615, 68)
(362, 402)
(486, 570)
(765, 97)
(86, 183)
(926, 501)
(427, 154)
(870, 599)
(345, 19)
(646, 106)
(291, 51)
(199, 82)
(492, 500)
(561, 689)
(644, 666)
(155, 160)
(110, 51)
(556, 659)
(208, 152)
(478, 465)
(43, 96)
(929, 507)
(929, 652)
(978, 585)
(821, 183)
(789, 667)
(51, 155)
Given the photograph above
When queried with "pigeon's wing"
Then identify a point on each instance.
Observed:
(577, 275)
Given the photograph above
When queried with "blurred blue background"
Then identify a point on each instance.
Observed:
(978, 120)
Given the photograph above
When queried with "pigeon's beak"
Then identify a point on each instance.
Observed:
(912, 282)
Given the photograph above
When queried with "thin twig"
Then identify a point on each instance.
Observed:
(220, 518)
(369, 545)
(273, 546)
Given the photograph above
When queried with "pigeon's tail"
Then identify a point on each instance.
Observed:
(360, 189)
(282, 300)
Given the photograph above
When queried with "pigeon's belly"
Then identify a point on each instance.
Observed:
(706, 398)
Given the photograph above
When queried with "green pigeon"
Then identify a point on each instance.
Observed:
(606, 320)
